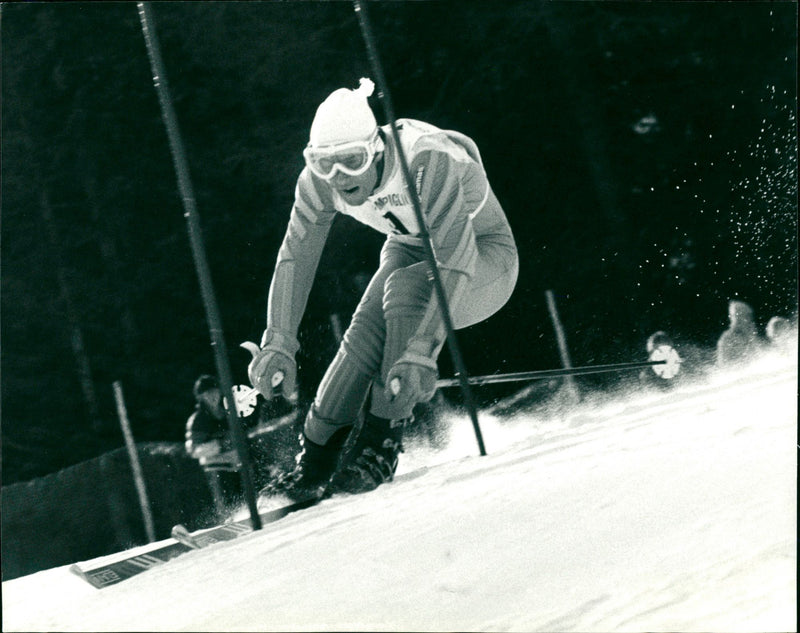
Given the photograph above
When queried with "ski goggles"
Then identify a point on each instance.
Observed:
(352, 159)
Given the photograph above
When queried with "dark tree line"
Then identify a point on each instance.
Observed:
(645, 154)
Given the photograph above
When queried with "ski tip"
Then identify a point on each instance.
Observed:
(182, 535)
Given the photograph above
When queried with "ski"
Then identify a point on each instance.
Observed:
(229, 531)
(182, 535)
(117, 571)
(218, 534)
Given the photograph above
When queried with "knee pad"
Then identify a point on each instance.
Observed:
(407, 290)
(364, 339)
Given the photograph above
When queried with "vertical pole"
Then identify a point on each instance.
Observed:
(200, 261)
(562, 345)
(452, 342)
(138, 478)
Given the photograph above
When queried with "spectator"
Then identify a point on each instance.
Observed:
(207, 427)
(780, 336)
(740, 342)
(208, 441)
(660, 376)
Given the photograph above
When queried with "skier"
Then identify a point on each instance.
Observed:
(386, 362)
(740, 341)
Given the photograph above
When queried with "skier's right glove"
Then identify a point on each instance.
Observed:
(412, 378)
(274, 366)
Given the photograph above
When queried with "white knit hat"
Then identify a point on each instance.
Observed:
(344, 116)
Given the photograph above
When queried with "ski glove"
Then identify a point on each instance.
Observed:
(274, 365)
(412, 378)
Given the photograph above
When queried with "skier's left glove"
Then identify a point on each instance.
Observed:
(412, 378)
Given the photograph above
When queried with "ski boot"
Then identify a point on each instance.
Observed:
(373, 458)
(315, 465)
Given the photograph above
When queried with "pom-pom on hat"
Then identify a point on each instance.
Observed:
(344, 116)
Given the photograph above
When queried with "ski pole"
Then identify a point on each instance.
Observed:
(519, 376)
(199, 254)
(441, 296)
(548, 373)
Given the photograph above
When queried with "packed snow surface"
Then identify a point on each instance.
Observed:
(643, 511)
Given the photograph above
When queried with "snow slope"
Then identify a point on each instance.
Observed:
(660, 511)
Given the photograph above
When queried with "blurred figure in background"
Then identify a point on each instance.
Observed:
(208, 441)
(207, 427)
(650, 376)
(740, 342)
(781, 336)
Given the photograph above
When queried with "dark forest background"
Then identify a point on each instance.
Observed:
(645, 153)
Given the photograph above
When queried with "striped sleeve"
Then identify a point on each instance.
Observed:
(445, 188)
(299, 254)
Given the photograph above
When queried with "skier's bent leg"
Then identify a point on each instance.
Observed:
(340, 395)
(406, 294)
(373, 458)
(491, 286)
(327, 425)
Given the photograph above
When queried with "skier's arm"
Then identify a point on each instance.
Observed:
(298, 258)
(450, 193)
(299, 255)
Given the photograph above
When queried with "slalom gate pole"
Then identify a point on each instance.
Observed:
(548, 373)
(452, 342)
(136, 466)
(561, 339)
(200, 260)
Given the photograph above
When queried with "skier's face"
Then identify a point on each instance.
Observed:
(351, 168)
(356, 189)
